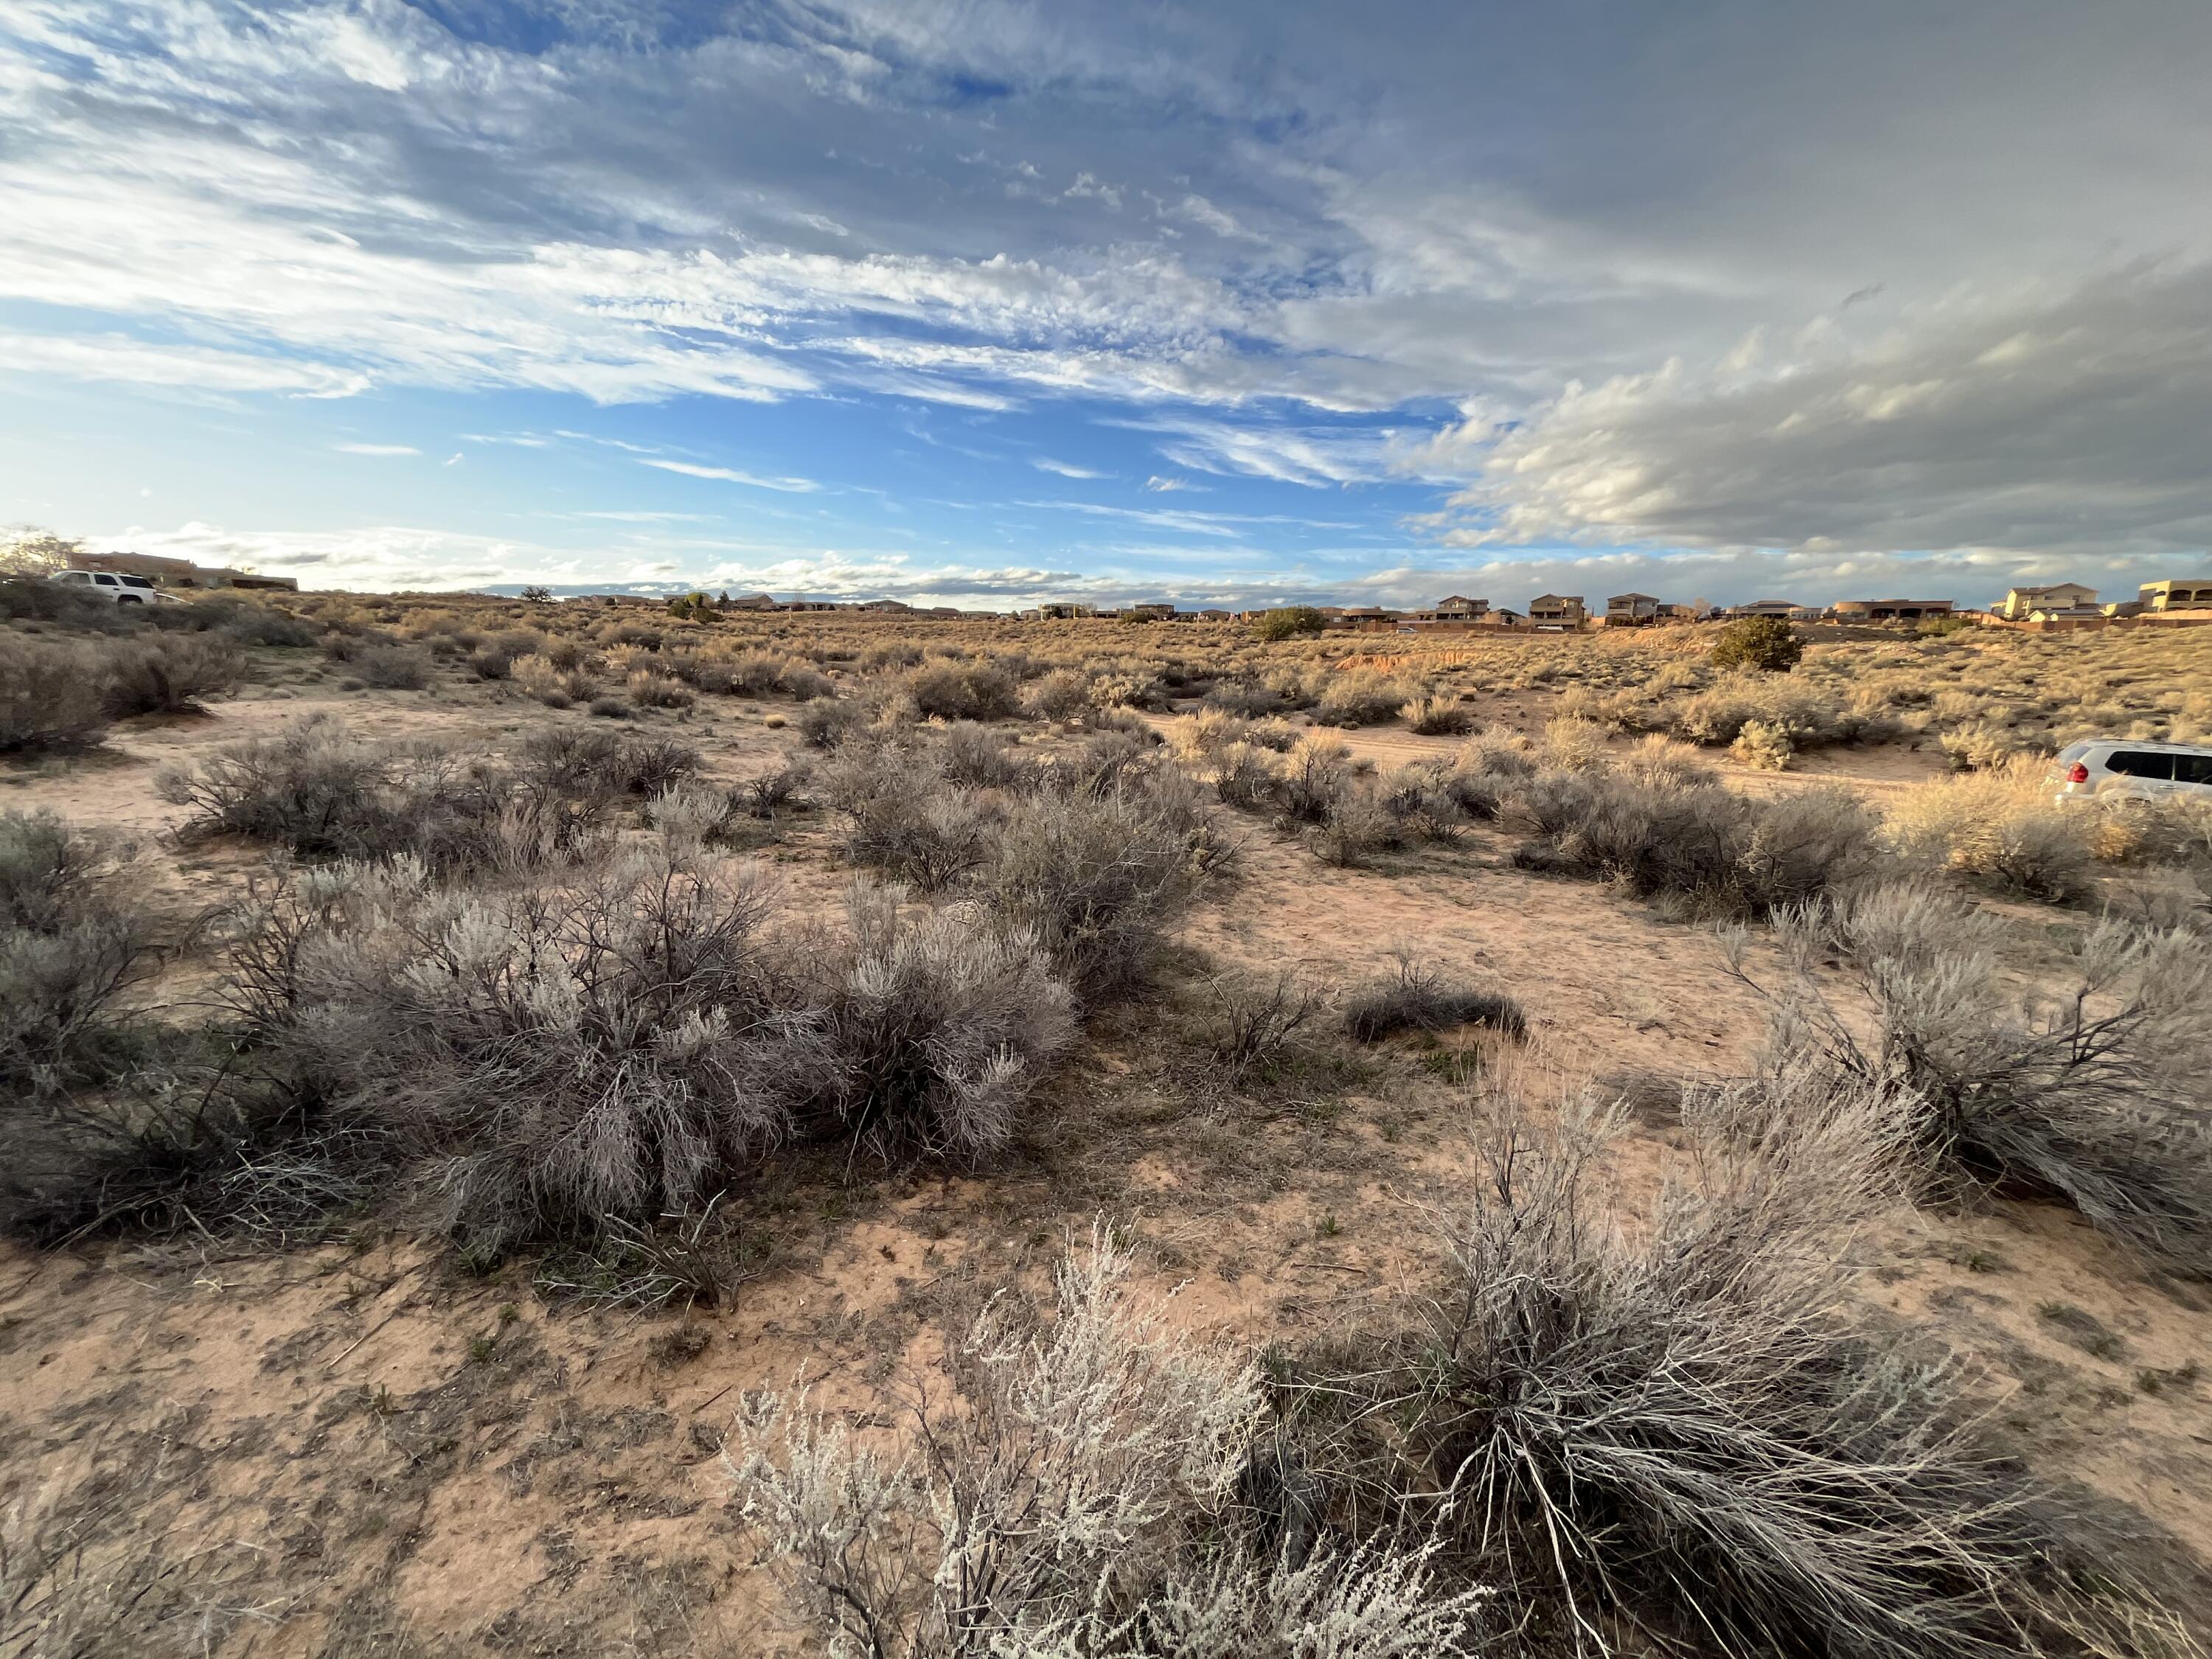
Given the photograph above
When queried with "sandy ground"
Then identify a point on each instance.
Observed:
(355, 1450)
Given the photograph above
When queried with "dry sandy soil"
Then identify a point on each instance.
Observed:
(356, 1450)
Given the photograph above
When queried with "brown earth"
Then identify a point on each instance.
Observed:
(355, 1450)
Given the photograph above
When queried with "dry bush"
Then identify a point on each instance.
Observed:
(1766, 747)
(1062, 695)
(1363, 697)
(2002, 825)
(76, 939)
(1084, 1499)
(904, 817)
(1359, 825)
(1256, 1022)
(320, 791)
(974, 756)
(940, 1028)
(546, 1059)
(1978, 746)
(1695, 844)
(394, 668)
(1574, 746)
(170, 674)
(1414, 996)
(540, 676)
(2091, 1093)
(647, 690)
(1678, 1439)
(53, 696)
(825, 722)
(1807, 718)
(946, 690)
(1438, 717)
(1315, 776)
(1098, 873)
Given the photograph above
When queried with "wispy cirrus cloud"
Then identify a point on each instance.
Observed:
(376, 449)
(731, 475)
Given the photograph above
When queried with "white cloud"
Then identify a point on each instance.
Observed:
(122, 357)
(730, 475)
(1163, 486)
(2041, 420)
(377, 449)
(1065, 469)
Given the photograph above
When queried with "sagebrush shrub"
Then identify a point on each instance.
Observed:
(170, 673)
(607, 1046)
(946, 690)
(1097, 875)
(941, 1028)
(2089, 1093)
(2002, 825)
(53, 697)
(1414, 996)
(1681, 1438)
(1091, 1496)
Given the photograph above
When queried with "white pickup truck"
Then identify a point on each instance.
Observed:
(123, 590)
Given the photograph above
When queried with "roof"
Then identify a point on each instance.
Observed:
(1617, 597)
(1562, 599)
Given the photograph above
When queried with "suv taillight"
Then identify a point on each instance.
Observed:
(2077, 773)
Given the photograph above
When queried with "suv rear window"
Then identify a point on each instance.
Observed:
(136, 582)
(2140, 763)
(2192, 768)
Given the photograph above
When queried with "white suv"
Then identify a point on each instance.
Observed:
(123, 590)
(2107, 768)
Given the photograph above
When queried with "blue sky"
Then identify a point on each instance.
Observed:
(986, 302)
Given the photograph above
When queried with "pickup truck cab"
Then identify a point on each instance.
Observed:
(119, 589)
(2113, 769)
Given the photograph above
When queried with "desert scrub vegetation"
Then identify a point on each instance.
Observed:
(2087, 1088)
(1414, 996)
(319, 791)
(1093, 852)
(1685, 1437)
(2002, 825)
(1101, 1491)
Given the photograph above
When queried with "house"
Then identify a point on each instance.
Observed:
(2059, 600)
(1556, 610)
(888, 605)
(2194, 594)
(1453, 610)
(1623, 609)
(1770, 607)
(164, 572)
(1502, 616)
(753, 602)
(1213, 616)
(1353, 616)
(1889, 610)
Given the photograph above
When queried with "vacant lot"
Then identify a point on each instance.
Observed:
(1524, 1147)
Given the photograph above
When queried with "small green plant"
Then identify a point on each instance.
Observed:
(1288, 623)
(379, 1399)
(1767, 644)
(1330, 1227)
(2153, 1381)
(481, 1349)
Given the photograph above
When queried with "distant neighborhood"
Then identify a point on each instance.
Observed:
(2057, 606)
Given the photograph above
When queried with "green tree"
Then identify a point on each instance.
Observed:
(1289, 623)
(539, 595)
(1763, 643)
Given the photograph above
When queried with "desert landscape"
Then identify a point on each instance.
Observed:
(565, 1127)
